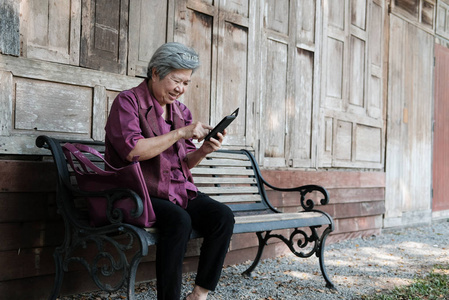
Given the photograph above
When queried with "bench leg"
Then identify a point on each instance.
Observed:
(320, 255)
(314, 239)
(132, 276)
(262, 243)
(59, 275)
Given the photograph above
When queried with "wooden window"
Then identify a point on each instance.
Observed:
(352, 86)
(149, 27)
(104, 35)
(50, 30)
(442, 20)
(421, 12)
(223, 33)
(289, 101)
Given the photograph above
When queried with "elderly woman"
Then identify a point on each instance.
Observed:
(148, 123)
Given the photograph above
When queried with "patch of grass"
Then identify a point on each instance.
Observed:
(433, 286)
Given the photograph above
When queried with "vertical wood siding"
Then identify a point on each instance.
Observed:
(441, 131)
(409, 139)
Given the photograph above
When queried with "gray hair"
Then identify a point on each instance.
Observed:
(172, 56)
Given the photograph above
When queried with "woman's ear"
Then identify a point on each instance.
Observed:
(154, 74)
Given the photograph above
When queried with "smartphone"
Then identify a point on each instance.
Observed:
(222, 125)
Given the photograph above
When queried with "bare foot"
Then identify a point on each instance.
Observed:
(198, 293)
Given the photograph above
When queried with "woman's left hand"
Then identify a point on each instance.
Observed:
(195, 157)
(213, 144)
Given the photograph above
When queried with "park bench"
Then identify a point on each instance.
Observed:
(229, 176)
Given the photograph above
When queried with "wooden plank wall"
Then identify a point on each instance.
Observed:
(29, 226)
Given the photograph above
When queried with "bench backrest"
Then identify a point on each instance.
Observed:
(69, 204)
(232, 177)
(229, 176)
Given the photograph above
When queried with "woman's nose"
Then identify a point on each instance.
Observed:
(179, 88)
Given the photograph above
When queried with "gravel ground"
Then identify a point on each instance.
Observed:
(357, 267)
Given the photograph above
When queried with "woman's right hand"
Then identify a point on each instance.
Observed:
(150, 147)
(196, 130)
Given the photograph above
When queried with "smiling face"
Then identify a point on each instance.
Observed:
(171, 87)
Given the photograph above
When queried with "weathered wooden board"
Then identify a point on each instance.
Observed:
(48, 106)
(330, 180)
(337, 196)
(6, 96)
(9, 27)
(232, 92)
(274, 108)
(26, 206)
(300, 113)
(17, 236)
(369, 144)
(357, 73)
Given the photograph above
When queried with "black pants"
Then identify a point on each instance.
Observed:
(214, 220)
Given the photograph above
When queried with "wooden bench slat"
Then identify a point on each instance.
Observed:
(263, 225)
(276, 217)
(224, 180)
(227, 155)
(221, 171)
(225, 162)
(229, 190)
(237, 198)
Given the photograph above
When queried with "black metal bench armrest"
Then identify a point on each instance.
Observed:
(307, 204)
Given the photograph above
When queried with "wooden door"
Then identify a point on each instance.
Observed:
(441, 131)
(409, 124)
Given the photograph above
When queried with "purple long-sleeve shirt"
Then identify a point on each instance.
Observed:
(167, 175)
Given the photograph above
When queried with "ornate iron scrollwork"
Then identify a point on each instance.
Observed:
(108, 259)
(309, 204)
(301, 242)
(304, 241)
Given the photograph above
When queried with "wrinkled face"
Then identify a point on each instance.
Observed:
(171, 87)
